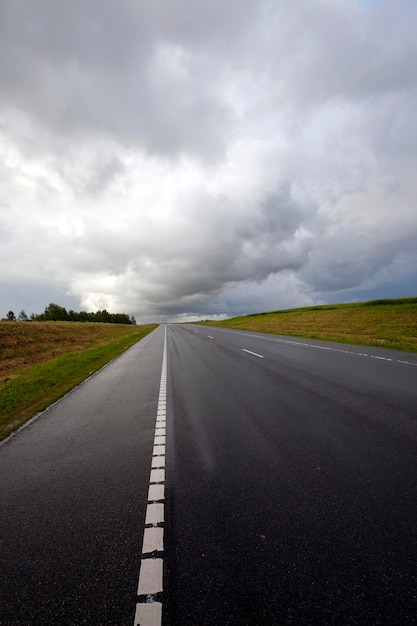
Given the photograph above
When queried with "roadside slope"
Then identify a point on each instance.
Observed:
(41, 361)
(388, 323)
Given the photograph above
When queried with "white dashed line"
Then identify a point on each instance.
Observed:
(150, 579)
(306, 344)
(254, 353)
(150, 584)
(153, 540)
(156, 492)
(157, 476)
(158, 461)
(148, 614)
(155, 513)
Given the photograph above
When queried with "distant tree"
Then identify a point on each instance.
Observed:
(83, 316)
(22, 316)
(11, 317)
(119, 318)
(72, 316)
(103, 316)
(54, 312)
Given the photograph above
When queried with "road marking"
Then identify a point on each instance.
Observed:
(150, 579)
(158, 461)
(254, 353)
(149, 614)
(210, 337)
(157, 476)
(351, 352)
(156, 492)
(155, 513)
(313, 345)
(153, 540)
(150, 584)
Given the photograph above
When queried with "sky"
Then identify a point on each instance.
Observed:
(185, 159)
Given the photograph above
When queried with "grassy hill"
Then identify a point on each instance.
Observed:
(388, 323)
(41, 361)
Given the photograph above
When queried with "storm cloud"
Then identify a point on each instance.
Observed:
(178, 159)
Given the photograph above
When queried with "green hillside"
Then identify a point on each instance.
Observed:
(388, 323)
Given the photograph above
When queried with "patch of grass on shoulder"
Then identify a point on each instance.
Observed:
(26, 392)
(388, 323)
(24, 344)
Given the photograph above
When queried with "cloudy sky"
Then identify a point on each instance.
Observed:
(172, 159)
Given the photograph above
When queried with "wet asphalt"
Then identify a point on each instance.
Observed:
(292, 482)
(291, 487)
(73, 490)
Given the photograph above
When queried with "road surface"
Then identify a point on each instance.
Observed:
(290, 487)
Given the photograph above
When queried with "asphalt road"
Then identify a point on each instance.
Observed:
(291, 487)
(292, 482)
(73, 492)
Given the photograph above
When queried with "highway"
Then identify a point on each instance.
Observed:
(289, 488)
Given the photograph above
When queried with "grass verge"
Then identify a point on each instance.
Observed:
(25, 392)
(388, 323)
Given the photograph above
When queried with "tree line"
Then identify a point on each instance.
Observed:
(55, 313)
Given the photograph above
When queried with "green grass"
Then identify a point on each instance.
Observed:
(388, 323)
(29, 391)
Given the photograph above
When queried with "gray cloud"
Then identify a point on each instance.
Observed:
(114, 70)
(181, 158)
